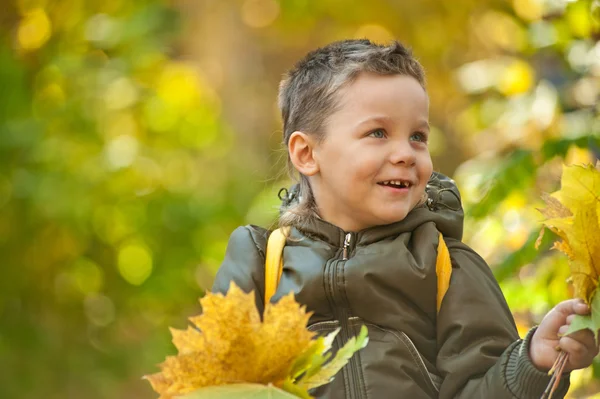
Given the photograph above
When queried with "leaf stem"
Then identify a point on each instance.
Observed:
(556, 373)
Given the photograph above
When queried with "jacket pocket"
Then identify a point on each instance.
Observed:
(324, 327)
(435, 380)
(393, 364)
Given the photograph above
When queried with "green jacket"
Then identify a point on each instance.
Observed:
(471, 349)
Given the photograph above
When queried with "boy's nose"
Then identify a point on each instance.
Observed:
(403, 154)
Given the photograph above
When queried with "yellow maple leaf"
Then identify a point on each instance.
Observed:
(229, 344)
(573, 213)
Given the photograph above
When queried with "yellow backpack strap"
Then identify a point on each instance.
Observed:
(274, 261)
(443, 269)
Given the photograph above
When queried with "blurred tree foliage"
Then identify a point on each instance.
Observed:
(135, 135)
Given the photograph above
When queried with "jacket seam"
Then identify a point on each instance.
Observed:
(415, 357)
(261, 251)
(361, 375)
(346, 370)
(419, 362)
(343, 285)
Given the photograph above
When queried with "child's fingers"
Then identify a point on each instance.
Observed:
(581, 348)
(557, 317)
(584, 337)
(578, 307)
(573, 306)
(581, 308)
(563, 330)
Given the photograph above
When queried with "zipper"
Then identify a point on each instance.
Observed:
(352, 372)
(347, 241)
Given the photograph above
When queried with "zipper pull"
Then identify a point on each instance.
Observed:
(346, 245)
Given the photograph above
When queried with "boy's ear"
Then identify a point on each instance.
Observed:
(301, 148)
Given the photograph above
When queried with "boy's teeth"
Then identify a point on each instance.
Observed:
(395, 183)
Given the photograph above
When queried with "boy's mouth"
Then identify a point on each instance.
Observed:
(396, 183)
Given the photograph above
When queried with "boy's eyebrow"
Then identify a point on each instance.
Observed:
(423, 123)
(380, 119)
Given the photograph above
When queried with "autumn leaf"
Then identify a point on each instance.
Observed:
(573, 214)
(229, 344)
(229, 352)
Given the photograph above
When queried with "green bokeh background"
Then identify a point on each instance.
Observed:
(136, 135)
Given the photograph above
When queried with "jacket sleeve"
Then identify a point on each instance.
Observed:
(480, 354)
(244, 263)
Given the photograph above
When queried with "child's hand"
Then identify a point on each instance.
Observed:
(580, 345)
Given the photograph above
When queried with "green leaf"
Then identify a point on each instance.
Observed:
(580, 323)
(239, 391)
(309, 363)
(327, 372)
(595, 305)
(591, 321)
(313, 356)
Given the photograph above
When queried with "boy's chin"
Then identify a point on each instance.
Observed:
(392, 218)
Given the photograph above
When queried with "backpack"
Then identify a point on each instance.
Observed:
(274, 265)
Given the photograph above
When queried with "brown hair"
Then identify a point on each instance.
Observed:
(307, 97)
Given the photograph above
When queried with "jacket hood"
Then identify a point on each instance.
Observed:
(443, 207)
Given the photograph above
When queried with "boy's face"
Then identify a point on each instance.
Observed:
(376, 139)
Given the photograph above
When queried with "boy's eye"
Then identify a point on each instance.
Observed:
(378, 134)
(419, 136)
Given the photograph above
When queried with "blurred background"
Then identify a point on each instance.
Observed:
(136, 135)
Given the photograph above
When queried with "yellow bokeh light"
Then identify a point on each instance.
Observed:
(515, 200)
(34, 30)
(260, 13)
(579, 19)
(121, 151)
(518, 77)
(179, 86)
(375, 33)
(135, 263)
(121, 93)
(517, 238)
(530, 10)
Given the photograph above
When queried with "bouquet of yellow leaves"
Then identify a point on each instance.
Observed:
(230, 353)
(573, 213)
